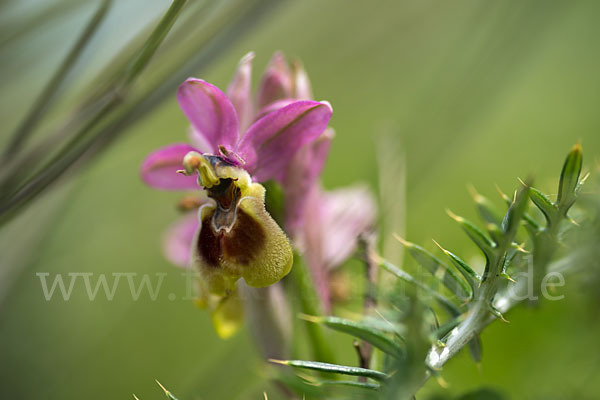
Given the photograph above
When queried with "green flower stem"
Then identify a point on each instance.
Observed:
(367, 243)
(309, 305)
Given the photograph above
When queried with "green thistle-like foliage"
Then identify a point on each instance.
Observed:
(426, 322)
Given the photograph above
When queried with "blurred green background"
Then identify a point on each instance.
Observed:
(478, 92)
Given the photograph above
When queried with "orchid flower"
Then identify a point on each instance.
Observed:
(279, 87)
(333, 222)
(324, 225)
(233, 235)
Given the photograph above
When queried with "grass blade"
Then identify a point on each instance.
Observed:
(42, 103)
(155, 39)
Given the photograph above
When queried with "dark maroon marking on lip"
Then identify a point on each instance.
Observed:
(246, 239)
(241, 245)
(209, 245)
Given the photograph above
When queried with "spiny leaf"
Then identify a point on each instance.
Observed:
(510, 224)
(470, 275)
(531, 222)
(483, 241)
(360, 330)
(362, 385)
(569, 179)
(167, 393)
(333, 368)
(433, 264)
(544, 204)
(301, 385)
(486, 209)
(496, 312)
(495, 232)
(515, 212)
(445, 302)
(382, 324)
(511, 253)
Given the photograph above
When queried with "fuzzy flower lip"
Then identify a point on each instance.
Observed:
(237, 237)
(264, 150)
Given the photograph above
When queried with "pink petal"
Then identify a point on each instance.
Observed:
(333, 222)
(269, 108)
(311, 245)
(273, 140)
(178, 240)
(199, 141)
(239, 91)
(302, 88)
(347, 213)
(210, 112)
(159, 168)
(277, 82)
(301, 175)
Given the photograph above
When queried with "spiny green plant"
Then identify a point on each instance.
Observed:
(422, 325)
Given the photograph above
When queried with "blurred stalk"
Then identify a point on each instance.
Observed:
(156, 38)
(309, 305)
(77, 145)
(391, 166)
(10, 32)
(46, 98)
(105, 113)
(368, 243)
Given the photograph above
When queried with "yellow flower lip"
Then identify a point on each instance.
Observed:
(237, 239)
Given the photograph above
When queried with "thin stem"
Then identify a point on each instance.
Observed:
(309, 305)
(367, 244)
(76, 148)
(43, 102)
(20, 181)
(155, 39)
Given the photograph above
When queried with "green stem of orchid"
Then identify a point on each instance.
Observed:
(309, 305)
